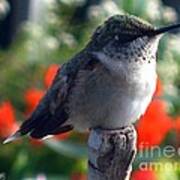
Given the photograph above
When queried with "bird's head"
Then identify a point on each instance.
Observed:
(122, 28)
(122, 33)
(126, 28)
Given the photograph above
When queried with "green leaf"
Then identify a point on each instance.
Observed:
(67, 148)
(172, 99)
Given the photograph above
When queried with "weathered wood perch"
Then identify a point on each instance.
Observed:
(111, 153)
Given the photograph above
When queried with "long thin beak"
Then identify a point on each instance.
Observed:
(165, 29)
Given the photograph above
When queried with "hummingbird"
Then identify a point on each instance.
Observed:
(108, 84)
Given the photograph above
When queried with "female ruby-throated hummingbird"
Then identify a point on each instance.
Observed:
(109, 84)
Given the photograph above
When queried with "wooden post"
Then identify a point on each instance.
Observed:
(111, 153)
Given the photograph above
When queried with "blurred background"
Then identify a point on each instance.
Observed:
(36, 36)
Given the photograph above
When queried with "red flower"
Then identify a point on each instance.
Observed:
(8, 123)
(143, 175)
(159, 88)
(177, 129)
(177, 124)
(36, 143)
(32, 98)
(155, 124)
(50, 74)
(78, 176)
(62, 136)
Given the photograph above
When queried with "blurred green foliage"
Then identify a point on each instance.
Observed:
(53, 38)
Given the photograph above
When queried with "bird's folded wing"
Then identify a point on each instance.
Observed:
(51, 115)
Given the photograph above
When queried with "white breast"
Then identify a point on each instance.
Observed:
(104, 100)
(129, 103)
(117, 97)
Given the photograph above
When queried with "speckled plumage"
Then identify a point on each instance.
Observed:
(109, 84)
(118, 90)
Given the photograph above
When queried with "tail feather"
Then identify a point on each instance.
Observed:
(14, 137)
(34, 123)
(41, 124)
(50, 125)
(60, 130)
(49, 118)
(44, 124)
(39, 128)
